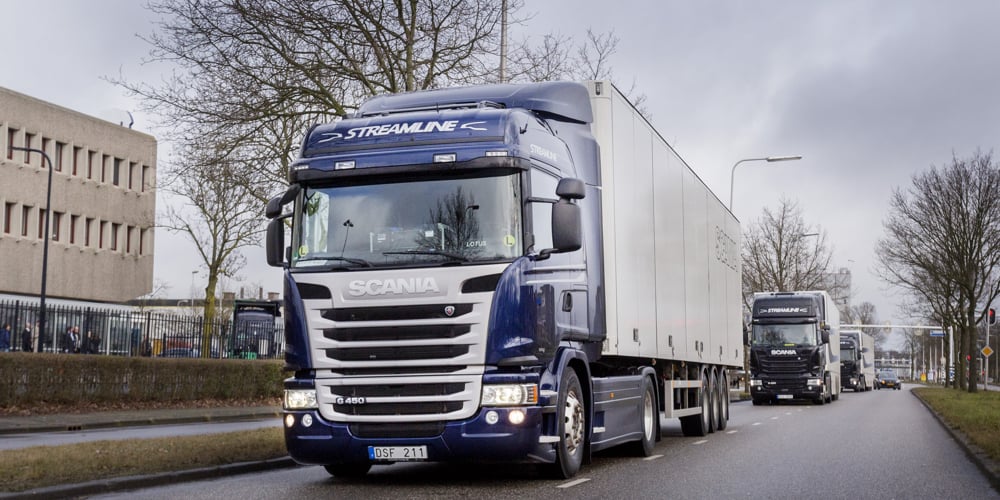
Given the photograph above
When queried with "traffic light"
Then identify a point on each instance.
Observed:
(993, 316)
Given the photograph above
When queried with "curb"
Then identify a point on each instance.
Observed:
(989, 467)
(160, 479)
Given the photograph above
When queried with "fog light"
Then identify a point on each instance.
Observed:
(307, 420)
(814, 381)
(289, 421)
(516, 417)
(492, 417)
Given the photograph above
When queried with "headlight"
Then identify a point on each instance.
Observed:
(755, 382)
(509, 394)
(814, 381)
(300, 399)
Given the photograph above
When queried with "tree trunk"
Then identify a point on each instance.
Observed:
(209, 314)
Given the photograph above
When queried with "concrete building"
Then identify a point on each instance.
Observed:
(103, 203)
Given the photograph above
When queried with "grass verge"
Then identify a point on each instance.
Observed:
(977, 415)
(43, 466)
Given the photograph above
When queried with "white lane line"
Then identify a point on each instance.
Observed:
(774, 417)
(574, 483)
(652, 457)
(703, 441)
(788, 413)
(756, 423)
(731, 432)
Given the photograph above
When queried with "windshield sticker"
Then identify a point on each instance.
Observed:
(303, 251)
(509, 240)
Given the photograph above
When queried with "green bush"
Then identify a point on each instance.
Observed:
(74, 378)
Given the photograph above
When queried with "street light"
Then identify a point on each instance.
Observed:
(769, 159)
(45, 245)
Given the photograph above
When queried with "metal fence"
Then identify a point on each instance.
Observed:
(134, 332)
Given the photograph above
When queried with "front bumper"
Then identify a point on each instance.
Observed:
(785, 389)
(327, 443)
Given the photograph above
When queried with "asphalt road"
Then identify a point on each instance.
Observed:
(881, 445)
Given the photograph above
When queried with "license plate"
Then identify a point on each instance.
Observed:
(785, 396)
(397, 453)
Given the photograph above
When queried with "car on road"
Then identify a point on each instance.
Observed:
(888, 381)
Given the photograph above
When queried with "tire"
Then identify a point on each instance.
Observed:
(722, 418)
(349, 470)
(699, 425)
(758, 402)
(571, 426)
(829, 388)
(713, 407)
(649, 420)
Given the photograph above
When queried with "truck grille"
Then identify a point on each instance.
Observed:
(392, 364)
(783, 364)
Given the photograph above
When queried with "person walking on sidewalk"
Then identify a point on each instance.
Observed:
(26, 338)
(5, 338)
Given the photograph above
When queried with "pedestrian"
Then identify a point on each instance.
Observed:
(92, 343)
(78, 340)
(68, 341)
(26, 337)
(5, 338)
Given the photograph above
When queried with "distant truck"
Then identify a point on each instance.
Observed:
(500, 273)
(255, 333)
(794, 347)
(857, 360)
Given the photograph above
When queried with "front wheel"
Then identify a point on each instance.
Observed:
(571, 427)
(649, 420)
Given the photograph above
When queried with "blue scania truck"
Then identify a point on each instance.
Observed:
(515, 273)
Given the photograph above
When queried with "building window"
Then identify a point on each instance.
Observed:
(100, 234)
(142, 243)
(133, 172)
(8, 216)
(28, 139)
(45, 148)
(11, 132)
(56, 224)
(73, 221)
(114, 236)
(41, 223)
(128, 239)
(145, 170)
(104, 170)
(76, 158)
(60, 147)
(91, 156)
(116, 172)
(87, 231)
(25, 214)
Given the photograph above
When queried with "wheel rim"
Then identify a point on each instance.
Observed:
(647, 417)
(573, 429)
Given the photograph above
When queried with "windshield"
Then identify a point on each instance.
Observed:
(847, 353)
(428, 222)
(785, 335)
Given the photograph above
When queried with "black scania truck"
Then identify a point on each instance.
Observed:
(794, 347)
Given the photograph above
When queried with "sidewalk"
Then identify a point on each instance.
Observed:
(101, 420)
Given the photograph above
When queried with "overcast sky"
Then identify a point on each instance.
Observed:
(868, 92)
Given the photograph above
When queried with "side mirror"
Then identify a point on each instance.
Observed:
(567, 222)
(275, 242)
(746, 335)
(825, 335)
(865, 349)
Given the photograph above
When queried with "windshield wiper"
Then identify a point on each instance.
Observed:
(358, 262)
(452, 256)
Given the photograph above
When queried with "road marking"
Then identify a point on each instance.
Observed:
(788, 413)
(731, 432)
(652, 457)
(574, 483)
(703, 441)
(774, 417)
(756, 423)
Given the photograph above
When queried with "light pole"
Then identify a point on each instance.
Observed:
(45, 244)
(769, 159)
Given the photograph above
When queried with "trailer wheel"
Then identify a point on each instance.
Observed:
(648, 420)
(829, 388)
(723, 416)
(700, 425)
(572, 426)
(348, 470)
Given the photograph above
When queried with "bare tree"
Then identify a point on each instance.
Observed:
(221, 218)
(941, 246)
(782, 253)
(865, 314)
